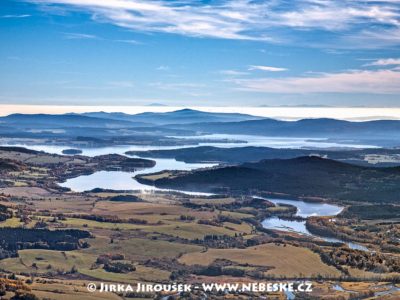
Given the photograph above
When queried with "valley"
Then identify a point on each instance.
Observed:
(121, 214)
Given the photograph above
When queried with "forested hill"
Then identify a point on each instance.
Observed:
(299, 177)
(238, 155)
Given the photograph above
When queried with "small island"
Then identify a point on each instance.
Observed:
(72, 151)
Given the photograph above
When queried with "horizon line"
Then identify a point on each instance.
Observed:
(290, 113)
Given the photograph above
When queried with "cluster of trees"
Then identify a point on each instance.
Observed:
(224, 241)
(114, 263)
(372, 212)
(219, 267)
(14, 239)
(225, 218)
(214, 270)
(5, 213)
(326, 227)
(385, 234)
(186, 218)
(369, 261)
(8, 165)
(211, 222)
(126, 198)
(211, 270)
(119, 267)
(106, 258)
(20, 289)
(109, 219)
(219, 220)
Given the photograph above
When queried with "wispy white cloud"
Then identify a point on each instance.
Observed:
(385, 62)
(355, 81)
(338, 15)
(267, 68)
(80, 36)
(15, 16)
(86, 36)
(162, 68)
(132, 42)
(232, 73)
(248, 19)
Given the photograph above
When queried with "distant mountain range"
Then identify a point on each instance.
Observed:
(193, 122)
(66, 120)
(302, 128)
(302, 177)
(184, 116)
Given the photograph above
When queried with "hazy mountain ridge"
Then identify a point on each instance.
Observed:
(246, 154)
(183, 116)
(65, 120)
(192, 122)
(306, 127)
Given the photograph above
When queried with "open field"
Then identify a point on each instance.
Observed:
(285, 260)
(61, 290)
(165, 235)
(183, 230)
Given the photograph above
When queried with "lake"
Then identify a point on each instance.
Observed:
(248, 140)
(117, 180)
(274, 142)
(305, 210)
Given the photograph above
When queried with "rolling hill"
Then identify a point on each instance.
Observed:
(302, 177)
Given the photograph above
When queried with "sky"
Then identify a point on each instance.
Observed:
(200, 52)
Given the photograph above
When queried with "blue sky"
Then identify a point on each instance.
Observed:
(200, 53)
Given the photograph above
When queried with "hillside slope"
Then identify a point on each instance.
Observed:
(298, 177)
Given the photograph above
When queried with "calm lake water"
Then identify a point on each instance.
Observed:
(305, 210)
(274, 142)
(117, 180)
(248, 140)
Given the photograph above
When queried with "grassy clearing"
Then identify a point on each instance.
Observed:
(28, 192)
(287, 261)
(44, 261)
(43, 258)
(236, 215)
(47, 159)
(138, 248)
(158, 176)
(12, 222)
(152, 212)
(68, 290)
(190, 230)
(82, 223)
(20, 183)
(200, 201)
(240, 228)
(128, 209)
(69, 204)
